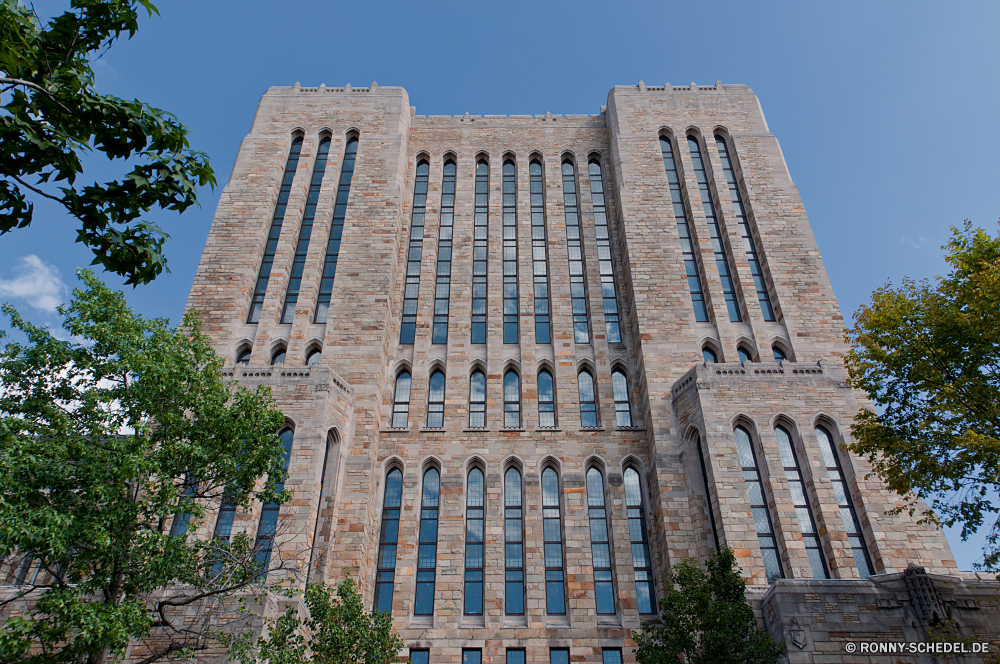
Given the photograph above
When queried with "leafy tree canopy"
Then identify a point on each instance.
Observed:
(51, 115)
(706, 619)
(337, 630)
(929, 356)
(104, 445)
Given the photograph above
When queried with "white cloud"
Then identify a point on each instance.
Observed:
(37, 282)
(916, 244)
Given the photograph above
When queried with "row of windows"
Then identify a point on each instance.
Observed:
(540, 271)
(744, 353)
(511, 400)
(581, 313)
(514, 542)
(516, 656)
(716, 237)
(763, 519)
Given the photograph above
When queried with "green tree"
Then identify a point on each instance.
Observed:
(929, 356)
(104, 445)
(707, 619)
(51, 115)
(337, 630)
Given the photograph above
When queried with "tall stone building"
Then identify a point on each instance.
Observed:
(530, 362)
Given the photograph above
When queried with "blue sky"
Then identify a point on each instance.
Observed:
(886, 111)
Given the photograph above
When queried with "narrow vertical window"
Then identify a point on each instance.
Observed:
(442, 283)
(435, 401)
(423, 605)
(555, 576)
(512, 400)
(848, 515)
(744, 354)
(687, 241)
(480, 250)
(305, 232)
(608, 290)
(313, 356)
(411, 288)
(279, 356)
(539, 255)
(510, 298)
(268, 527)
(474, 515)
(243, 357)
(226, 518)
(623, 406)
(758, 506)
(188, 491)
(600, 544)
(515, 656)
(401, 401)
(260, 289)
(477, 400)
(386, 573)
(803, 512)
(642, 563)
(748, 242)
(546, 400)
(513, 520)
(708, 493)
(574, 245)
(779, 354)
(336, 232)
(708, 355)
(559, 656)
(718, 243)
(588, 399)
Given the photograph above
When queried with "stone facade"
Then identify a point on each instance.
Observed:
(341, 406)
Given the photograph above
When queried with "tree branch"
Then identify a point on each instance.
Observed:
(35, 189)
(36, 87)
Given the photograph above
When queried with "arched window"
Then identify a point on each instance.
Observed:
(555, 574)
(758, 505)
(623, 408)
(546, 400)
(513, 518)
(435, 401)
(708, 492)
(539, 254)
(305, 232)
(423, 605)
(608, 289)
(510, 307)
(848, 515)
(803, 512)
(243, 357)
(588, 399)
(779, 354)
(268, 526)
(336, 232)
(748, 241)
(279, 356)
(642, 562)
(744, 354)
(511, 400)
(442, 283)
(574, 242)
(386, 573)
(600, 544)
(688, 242)
(709, 355)
(477, 400)
(257, 301)
(401, 401)
(475, 505)
(411, 288)
(313, 356)
(480, 249)
(718, 243)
